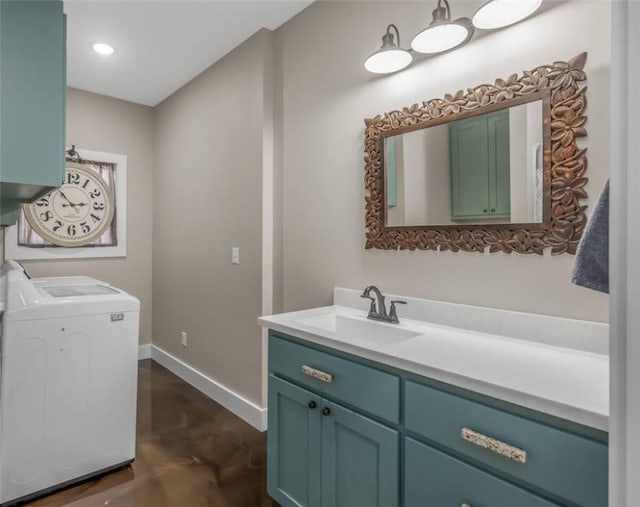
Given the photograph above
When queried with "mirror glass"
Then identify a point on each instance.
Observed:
(485, 169)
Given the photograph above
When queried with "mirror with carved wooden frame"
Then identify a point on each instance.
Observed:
(560, 87)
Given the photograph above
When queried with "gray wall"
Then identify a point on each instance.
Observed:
(208, 189)
(327, 94)
(96, 122)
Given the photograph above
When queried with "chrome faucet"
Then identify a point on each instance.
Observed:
(378, 309)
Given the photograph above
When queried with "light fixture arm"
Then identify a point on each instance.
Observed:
(388, 38)
(441, 14)
(447, 6)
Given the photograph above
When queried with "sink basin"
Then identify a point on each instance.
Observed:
(360, 328)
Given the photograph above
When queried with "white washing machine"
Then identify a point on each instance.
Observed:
(68, 381)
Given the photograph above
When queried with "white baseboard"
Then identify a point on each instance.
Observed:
(246, 410)
(144, 351)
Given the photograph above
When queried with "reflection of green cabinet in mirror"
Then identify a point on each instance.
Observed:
(390, 169)
(479, 155)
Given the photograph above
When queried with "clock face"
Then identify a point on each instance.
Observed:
(75, 214)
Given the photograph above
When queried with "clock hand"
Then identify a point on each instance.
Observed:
(66, 198)
(74, 206)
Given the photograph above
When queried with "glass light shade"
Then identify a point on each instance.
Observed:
(499, 13)
(102, 49)
(386, 61)
(439, 38)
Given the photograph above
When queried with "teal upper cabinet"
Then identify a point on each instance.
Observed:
(32, 98)
(480, 170)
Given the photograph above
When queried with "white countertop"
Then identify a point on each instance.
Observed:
(564, 382)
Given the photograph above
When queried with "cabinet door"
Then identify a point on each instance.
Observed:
(500, 172)
(32, 97)
(293, 445)
(359, 460)
(435, 479)
(468, 140)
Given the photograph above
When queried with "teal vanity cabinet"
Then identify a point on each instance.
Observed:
(458, 483)
(556, 461)
(480, 167)
(324, 448)
(32, 101)
(348, 432)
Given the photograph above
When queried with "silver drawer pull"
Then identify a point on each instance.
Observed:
(494, 445)
(317, 374)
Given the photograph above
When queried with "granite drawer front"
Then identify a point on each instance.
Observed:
(433, 478)
(365, 388)
(564, 464)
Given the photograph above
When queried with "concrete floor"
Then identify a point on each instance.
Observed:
(191, 452)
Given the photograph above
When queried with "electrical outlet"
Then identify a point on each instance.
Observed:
(235, 255)
(183, 338)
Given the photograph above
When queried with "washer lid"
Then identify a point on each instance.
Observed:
(78, 290)
(48, 298)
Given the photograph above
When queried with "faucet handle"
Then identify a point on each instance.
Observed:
(393, 314)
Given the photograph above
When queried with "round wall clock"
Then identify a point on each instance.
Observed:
(75, 214)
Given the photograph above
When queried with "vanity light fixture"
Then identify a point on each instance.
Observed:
(103, 49)
(442, 34)
(390, 57)
(500, 13)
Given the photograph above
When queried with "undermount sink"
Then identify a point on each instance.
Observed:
(360, 329)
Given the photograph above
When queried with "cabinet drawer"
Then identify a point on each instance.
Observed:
(361, 386)
(567, 465)
(435, 479)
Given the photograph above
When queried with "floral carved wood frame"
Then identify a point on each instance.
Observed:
(565, 164)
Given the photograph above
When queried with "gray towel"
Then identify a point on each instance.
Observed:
(591, 269)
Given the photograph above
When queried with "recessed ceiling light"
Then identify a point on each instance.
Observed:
(102, 49)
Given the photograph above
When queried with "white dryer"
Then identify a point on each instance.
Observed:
(68, 381)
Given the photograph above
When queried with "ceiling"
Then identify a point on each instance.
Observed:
(159, 44)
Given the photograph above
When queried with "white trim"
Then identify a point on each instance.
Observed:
(144, 351)
(624, 247)
(13, 251)
(268, 189)
(246, 410)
